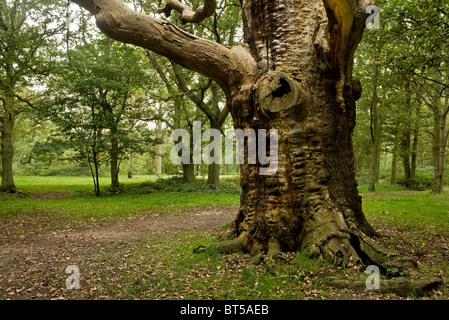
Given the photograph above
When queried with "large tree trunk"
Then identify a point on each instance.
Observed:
(304, 89)
(7, 144)
(293, 74)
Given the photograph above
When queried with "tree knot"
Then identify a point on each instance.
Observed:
(277, 92)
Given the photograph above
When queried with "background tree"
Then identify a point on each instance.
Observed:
(223, 28)
(27, 54)
(96, 98)
(419, 32)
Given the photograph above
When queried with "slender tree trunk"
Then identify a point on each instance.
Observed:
(439, 142)
(405, 155)
(94, 171)
(130, 163)
(394, 161)
(213, 173)
(189, 169)
(376, 135)
(440, 113)
(7, 144)
(406, 134)
(159, 148)
(97, 175)
(375, 162)
(415, 144)
(114, 164)
(437, 178)
(213, 170)
(216, 122)
(375, 154)
(439, 151)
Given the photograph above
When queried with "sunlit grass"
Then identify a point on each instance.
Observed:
(71, 185)
(424, 210)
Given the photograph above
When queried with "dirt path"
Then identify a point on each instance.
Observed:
(40, 256)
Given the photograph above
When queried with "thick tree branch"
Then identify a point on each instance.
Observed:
(187, 14)
(206, 57)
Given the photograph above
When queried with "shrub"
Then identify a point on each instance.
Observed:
(419, 183)
(72, 171)
(182, 184)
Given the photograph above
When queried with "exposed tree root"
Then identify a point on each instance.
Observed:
(340, 248)
(402, 286)
(225, 246)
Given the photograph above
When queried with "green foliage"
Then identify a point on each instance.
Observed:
(181, 184)
(419, 183)
(95, 103)
(395, 272)
(28, 43)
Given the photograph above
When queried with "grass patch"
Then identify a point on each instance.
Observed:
(423, 210)
(381, 188)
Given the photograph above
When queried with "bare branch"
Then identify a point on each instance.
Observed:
(26, 101)
(187, 14)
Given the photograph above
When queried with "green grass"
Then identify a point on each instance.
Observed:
(70, 185)
(422, 210)
(380, 188)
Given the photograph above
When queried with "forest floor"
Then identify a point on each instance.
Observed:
(151, 257)
(30, 264)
